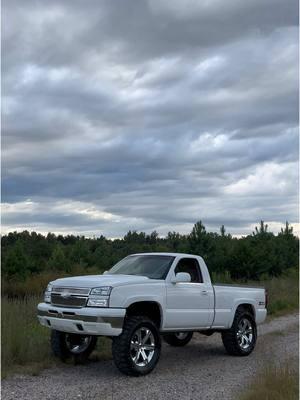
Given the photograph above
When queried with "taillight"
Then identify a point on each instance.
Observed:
(266, 298)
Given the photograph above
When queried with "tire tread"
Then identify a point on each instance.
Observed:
(120, 346)
(229, 336)
(60, 350)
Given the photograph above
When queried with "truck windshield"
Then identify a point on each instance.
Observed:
(151, 266)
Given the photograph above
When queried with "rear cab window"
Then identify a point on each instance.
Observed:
(192, 267)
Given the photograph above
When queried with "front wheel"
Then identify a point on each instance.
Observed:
(178, 339)
(65, 345)
(136, 351)
(240, 339)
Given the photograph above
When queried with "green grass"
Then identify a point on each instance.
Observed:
(283, 294)
(25, 343)
(274, 383)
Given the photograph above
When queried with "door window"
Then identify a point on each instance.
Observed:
(191, 266)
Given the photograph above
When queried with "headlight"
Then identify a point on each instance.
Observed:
(99, 297)
(94, 302)
(47, 294)
(49, 288)
(101, 291)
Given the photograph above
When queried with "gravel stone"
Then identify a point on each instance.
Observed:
(201, 370)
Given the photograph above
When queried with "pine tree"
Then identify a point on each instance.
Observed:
(16, 263)
(288, 229)
(261, 230)
(58, 260)
(222, 230)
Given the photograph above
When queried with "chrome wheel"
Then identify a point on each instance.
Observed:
(142, 346)
(244, 334)
(181, 335)
(77, 344)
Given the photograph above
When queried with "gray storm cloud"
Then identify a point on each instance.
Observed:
(149, 115)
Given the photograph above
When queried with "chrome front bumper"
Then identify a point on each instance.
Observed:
(87, 320)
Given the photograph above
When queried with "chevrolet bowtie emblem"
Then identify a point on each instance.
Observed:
(65, 295)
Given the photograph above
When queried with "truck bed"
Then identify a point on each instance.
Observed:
(227, 296)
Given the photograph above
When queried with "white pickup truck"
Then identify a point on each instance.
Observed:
(143, 297)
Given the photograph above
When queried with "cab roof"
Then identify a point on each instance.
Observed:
(165, 254)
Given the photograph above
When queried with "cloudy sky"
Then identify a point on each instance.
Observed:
(149, 115)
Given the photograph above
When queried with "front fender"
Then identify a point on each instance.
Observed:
(124, 296)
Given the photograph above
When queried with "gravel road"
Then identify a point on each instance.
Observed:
(201, 370)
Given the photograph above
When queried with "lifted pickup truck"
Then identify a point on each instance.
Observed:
(143, 297)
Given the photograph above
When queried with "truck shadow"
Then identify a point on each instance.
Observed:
(194, 354)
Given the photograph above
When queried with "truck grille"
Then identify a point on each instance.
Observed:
(69, 297)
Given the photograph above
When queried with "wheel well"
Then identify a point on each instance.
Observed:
(247, 307)
(149, 308)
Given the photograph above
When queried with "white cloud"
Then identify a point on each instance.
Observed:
(153, 124)
(270, 179)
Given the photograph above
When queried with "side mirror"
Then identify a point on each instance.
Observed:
(105, 272)
(182, 277)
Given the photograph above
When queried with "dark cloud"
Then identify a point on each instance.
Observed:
(149, 115)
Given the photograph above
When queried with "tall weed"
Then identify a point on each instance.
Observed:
(274, 383)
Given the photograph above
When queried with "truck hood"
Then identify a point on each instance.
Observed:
(91, 281)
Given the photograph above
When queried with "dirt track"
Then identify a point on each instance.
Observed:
(201, 370)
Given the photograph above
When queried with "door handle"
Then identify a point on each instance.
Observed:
(204, 292)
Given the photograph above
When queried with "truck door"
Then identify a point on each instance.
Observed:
(189, 305)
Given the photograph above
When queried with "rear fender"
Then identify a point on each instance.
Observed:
(241, 302)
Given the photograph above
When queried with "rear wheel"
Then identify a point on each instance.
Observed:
(240, 339)
(178, 339)
(136, 351)
(66, 345)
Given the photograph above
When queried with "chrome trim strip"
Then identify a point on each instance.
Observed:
(62, 315)
(70, 290)
(68, 300)
(115, 322)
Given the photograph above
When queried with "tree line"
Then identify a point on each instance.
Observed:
(256, 256)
